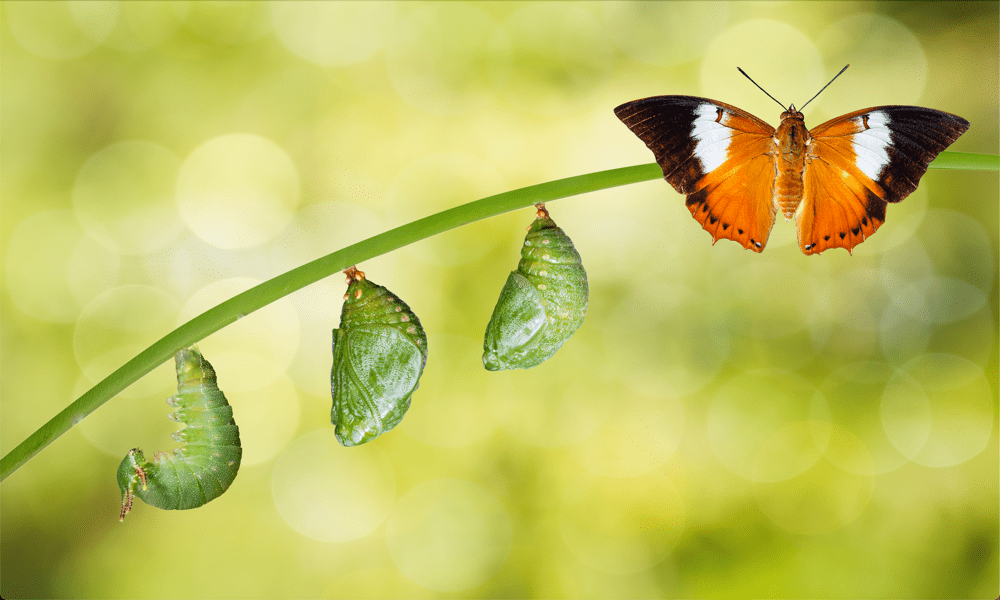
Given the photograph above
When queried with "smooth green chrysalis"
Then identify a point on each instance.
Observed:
(379, 353)
(205, 464)
(543, 302)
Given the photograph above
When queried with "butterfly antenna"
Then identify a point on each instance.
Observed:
(762, 89)
(825, 86)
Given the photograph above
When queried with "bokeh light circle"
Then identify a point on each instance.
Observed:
(124, 197)
(873, 44)
(774, 43)
(318, 229)
(267, 416)
(438, 182)
(638, 522)
(61, 30)
(237, 190)
(146, 415)
(256, 349)
(448, 534)
(748, 424)
(665, 33)
(560, 57)
(329, 492)
(551, 407)
(823, 497)
(455, 416)
(119, 324)
(144, 25)
(902, 336)
(939, 299)
(680, 346)
(229, 22)
(439, 58)
(854, 399)
(959, 247)
(333, 33)
(939, 410)
(52, 269)
(640, 433)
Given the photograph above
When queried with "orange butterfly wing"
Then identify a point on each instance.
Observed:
(857, 163)
(719, 156)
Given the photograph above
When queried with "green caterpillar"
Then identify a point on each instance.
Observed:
(205, 464)
(379, 353)
(543, 302)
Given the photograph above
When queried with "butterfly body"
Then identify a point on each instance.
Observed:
(791, 142)
(835, 180)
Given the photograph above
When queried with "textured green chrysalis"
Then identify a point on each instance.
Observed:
(379, 353)
(205, 464)
(543, 302)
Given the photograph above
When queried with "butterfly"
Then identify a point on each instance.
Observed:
(835, 179)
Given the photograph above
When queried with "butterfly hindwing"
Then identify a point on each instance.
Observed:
(717, 155)
(836, 211)
(738, 204)
(859, 162)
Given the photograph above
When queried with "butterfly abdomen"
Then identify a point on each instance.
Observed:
(792, 139)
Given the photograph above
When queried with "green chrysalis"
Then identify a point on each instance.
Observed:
(543, 302)
(205, 464)
(379, 353)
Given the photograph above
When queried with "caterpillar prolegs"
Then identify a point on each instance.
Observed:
(205, 464)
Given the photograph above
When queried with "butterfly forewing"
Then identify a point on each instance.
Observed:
(891, 146)
(717, 155)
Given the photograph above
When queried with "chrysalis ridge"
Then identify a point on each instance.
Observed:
(379, 353)
(543, 302)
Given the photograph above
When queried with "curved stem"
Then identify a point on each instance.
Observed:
(257, 297)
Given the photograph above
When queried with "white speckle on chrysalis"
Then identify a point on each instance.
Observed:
(545, 257)
(527, 243)
(411, 329)
(399, 309)
(541, 286)
(542, 273)
(404, 318)
(546, 242)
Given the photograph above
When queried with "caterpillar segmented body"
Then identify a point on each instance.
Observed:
(379, 353)
(543, 302)
(205, 464)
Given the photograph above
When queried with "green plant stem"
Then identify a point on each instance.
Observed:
(967, 161)
(257, 297)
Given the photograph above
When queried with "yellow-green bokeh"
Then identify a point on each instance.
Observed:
(724, 424)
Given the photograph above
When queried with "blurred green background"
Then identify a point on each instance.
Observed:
(725, 424)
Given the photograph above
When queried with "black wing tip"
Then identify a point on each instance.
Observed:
(668, 100)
